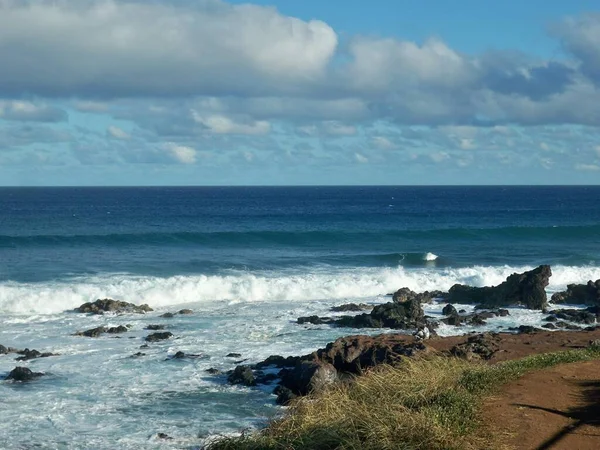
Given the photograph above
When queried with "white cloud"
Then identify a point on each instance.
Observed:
(158, 47)
(361, 158)
(220, 124)
(19, 110)
(587, 167)
(182, 153)
(383, 143)
(117, 133)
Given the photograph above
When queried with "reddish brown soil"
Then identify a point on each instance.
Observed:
(513, 346)
(556, 408)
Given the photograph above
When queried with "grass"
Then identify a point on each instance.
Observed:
(424, 403)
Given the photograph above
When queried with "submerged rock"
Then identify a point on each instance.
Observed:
(32, 354)
(315, 320)
(527, 289)
(95, 332)
(155, 327)
(101, 306)
(23, 374)
(154, 337)
(185, 312)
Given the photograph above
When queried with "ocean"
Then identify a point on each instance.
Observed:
(248, 261)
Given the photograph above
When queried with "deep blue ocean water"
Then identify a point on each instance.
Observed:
(248, 261)
(52, 233)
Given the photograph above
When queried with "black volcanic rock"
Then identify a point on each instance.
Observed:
(22, 374)
(102, 306)
(161, 336)
(527, 289)
(587, 294)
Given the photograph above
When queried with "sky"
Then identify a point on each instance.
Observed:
(290, 92)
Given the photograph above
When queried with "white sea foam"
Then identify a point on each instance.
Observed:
(317, 284)
(430, 256)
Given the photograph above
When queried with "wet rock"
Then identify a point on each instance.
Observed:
(449, 310)
(22, 374)
(278, 361)
(406, 315)
(185, 312)
(179, 355)
(480, 346)
(588, 294)
(155, 327)
(117, 330)
(233, 355)
(242, 375)
(284, 395)
(6, 350)
(32, 354)
(406, 295)
(155, 337)
(265, 378)
(164, 437)
(95, 332)
(549, 326)
(525, 329)
(315, 320)
(585, 316)
(167, 315)
(213, 371)
(102, 306)
(527, 289)
(351, 307)
(137, 355)
(503, 312)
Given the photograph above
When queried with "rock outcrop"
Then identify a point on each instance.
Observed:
(161, 336)
(586, 294)
(102, 306)
(95, 332)
(22, 374)
(527, 289)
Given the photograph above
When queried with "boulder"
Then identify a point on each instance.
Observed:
(308, 376)
(527, 289)
(155, 327)
(404, 294)
(102, 306)
(449, 310)
(242, 375)
(480, 346)
(167, 315)
(185, 311)
(154, 337)
(586, 294)
(22, 374)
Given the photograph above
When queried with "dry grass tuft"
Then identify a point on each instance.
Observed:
(429, 403)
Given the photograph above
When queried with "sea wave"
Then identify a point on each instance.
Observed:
(299, 238)
(272, 286)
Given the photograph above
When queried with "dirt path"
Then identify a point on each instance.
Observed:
(557, 408)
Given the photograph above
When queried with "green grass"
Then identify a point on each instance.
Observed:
(424, 403)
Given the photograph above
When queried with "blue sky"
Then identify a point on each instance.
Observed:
(209, 92)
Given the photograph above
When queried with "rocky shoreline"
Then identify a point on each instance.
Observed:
(349, 356)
